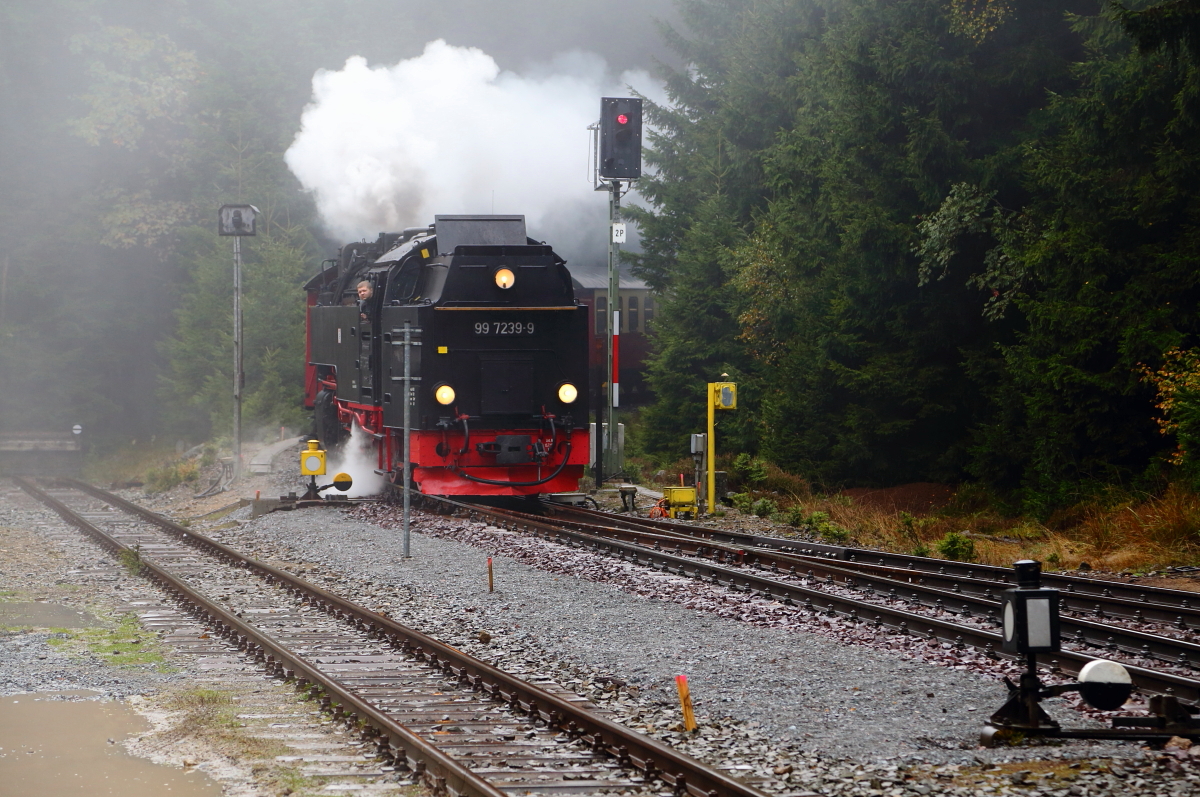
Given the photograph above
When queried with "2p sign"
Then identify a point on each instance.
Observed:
(618, 233)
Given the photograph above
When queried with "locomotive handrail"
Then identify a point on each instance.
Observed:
(495, 308)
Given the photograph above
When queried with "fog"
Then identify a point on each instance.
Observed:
(387, 147)
(137, 119)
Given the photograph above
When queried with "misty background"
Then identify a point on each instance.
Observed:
(127, 124)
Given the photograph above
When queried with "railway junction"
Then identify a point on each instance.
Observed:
(796, 691)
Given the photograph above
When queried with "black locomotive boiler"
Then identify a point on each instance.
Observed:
(498, 402)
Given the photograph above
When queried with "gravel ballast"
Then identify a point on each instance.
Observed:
(799, 708)
(795, 709)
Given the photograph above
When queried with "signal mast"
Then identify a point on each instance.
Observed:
(618, 158)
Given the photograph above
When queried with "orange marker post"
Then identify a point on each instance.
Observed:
(491, 583)
(685, 700)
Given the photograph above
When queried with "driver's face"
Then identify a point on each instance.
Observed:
(364, 291)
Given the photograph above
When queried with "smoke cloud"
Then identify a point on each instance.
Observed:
(383, 148)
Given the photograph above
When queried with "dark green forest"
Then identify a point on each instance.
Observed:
(932, 240)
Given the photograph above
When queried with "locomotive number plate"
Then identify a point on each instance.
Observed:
(498, 328)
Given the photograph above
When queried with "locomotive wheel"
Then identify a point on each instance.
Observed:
(325, 421)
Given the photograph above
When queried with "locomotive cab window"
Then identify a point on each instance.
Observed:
(404, 285)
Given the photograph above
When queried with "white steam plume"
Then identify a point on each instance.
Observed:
(358, 458)
(385, 148)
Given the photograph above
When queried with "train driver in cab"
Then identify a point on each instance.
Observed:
(365, 291)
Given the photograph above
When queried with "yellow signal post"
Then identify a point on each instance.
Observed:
(721, 396)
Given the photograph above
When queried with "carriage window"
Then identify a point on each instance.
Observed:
(648, 308)
(633, 314)
(601, 315)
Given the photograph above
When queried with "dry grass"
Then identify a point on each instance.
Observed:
(1139, 535)
(128, 463)
(210, 716)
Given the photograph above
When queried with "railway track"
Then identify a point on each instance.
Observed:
(903, 600)
(1121, 599)
(1158, 626)
(447, 719)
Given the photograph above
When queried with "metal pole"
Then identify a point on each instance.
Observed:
(712, 448)
(407, 424)
(612, 449)
(237, 357)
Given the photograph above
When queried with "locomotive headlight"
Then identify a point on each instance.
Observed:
(567, 393)
(505, 278)
(444, 394)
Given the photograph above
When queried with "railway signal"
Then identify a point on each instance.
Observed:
(237, 221)
(618, 143)
(620, 138)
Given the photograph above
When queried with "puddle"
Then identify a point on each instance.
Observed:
(56, 748)
(44, 615)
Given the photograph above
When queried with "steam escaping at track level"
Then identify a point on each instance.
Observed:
(384, 148)
(358, 458)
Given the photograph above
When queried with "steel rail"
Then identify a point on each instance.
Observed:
(1173, 599)
(902, 621)
(439, 771)
(655, 759)
(945, 595)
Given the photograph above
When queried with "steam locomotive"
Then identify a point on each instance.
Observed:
(499, 387)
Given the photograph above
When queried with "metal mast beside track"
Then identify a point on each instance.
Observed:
(237, 221)
(618, 158)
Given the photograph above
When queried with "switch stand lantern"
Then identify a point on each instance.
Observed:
(1030, 620)
(312, 465)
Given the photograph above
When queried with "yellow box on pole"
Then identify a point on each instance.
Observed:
(312, 460)
(724, 396)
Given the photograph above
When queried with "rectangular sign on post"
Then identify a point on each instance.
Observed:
(618, 233)
(237, 220)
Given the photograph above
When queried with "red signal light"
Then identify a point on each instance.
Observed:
(622, 119)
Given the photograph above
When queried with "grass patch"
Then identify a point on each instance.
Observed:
(126, 645)
(289, 780)
(127, 462)
(131, 559)
(172, 474)
(1135, 533)
(155, 465)
(211, 716)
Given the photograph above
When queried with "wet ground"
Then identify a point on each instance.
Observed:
(58, 744)
(38, 614)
